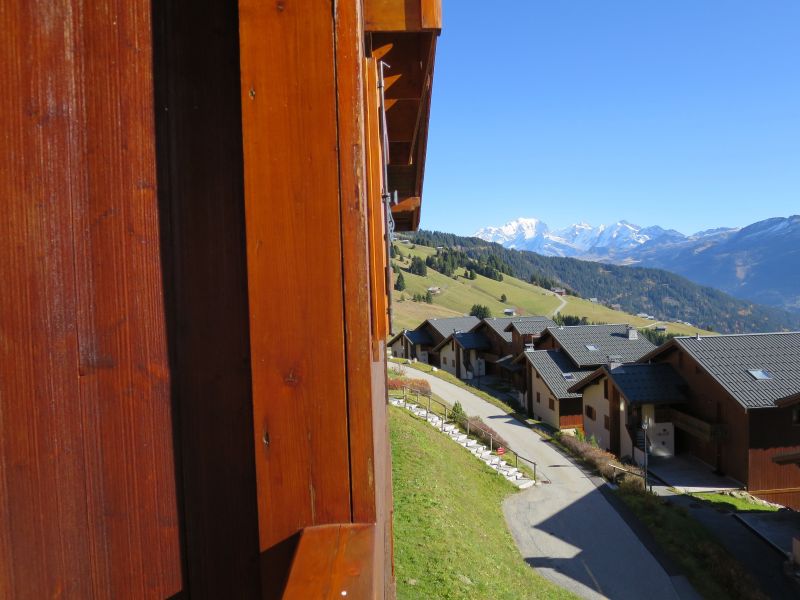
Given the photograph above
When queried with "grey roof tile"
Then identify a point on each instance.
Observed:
(444, 327)
(530, 325)
(656, 383)
(552, 366)
(728, 358)
(610, 340)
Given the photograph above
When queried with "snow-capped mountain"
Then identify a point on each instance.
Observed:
(580, 240)
(760, 262)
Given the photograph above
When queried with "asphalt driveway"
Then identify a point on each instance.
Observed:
(566, 529)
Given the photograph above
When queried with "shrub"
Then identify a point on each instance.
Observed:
(418, 385)
(597, 458)
(457, 413)
(481, 431)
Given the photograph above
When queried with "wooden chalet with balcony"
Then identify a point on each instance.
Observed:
(739, 417)
(188, 187)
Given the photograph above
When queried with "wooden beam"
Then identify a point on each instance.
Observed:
(402, 15)
(334, 562)
(292, 209)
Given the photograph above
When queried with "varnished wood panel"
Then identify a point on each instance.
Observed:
(87, 494)
(333, 562)
(201, 187)
(294, 261)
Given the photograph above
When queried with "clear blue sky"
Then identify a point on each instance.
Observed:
(681, 113)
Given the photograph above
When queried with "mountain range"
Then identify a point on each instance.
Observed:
(760, 262)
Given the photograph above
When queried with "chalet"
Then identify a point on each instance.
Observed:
(420, 343)
(739, 417)
(188, 187)
(526, 331)
(509, 312)
(550, 374)
(411, 344)
(617, 399)
(595, 345)
(558, 291)
(460, 354)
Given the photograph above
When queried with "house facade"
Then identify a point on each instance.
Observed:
(618, 399)
(550, 373)
(734, 419)
(425, 342)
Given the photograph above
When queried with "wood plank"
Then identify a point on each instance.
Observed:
(392, 15)
(294, 260)
(333, 562)
(431, 17)
(88, 505)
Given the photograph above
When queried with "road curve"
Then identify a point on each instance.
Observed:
(566, 529)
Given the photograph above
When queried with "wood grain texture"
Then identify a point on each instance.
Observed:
(333, 562)
(294, 260)
(87, 493)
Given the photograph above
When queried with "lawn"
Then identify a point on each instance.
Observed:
(732, 503)
(451, 539)
(713, 572)
(458, 295)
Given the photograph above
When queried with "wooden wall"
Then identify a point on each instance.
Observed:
(772, 433)
(318, 375)
(709, 401)
(88, 503)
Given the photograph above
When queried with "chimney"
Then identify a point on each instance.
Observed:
(697, 335)
(632, 333)
(613, 361)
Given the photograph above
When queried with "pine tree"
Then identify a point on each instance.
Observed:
(400, 284)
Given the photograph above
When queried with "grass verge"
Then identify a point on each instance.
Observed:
(733, 503)
(451, 539)
(712, 571)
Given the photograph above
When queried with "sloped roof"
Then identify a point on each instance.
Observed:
(466, 339)
(656, 383)
(444, 327)
(415, 336)
(529, 325)
(472, 341)
(554, 367)
(498, 325)
(729, 358)
(610, 340)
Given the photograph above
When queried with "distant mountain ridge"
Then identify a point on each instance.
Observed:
(760, 262)
(668, 296)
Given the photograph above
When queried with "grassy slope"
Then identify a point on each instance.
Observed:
(451, 539)
(458, 296)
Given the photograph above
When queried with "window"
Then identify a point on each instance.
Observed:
(607, 422)
(537, 375)
(605, 388)
(760, 374)
(569, 376)
(538, 397)
(591, 413)
(796, 415)
(552, 404)
(592, 348)
(444, 360)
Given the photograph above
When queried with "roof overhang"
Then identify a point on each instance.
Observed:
(792, 400)
(402, 34)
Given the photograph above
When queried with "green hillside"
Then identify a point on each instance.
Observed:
(635, 289)
(451, 539)
(458, 294)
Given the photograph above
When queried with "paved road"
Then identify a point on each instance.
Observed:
(566, 529)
